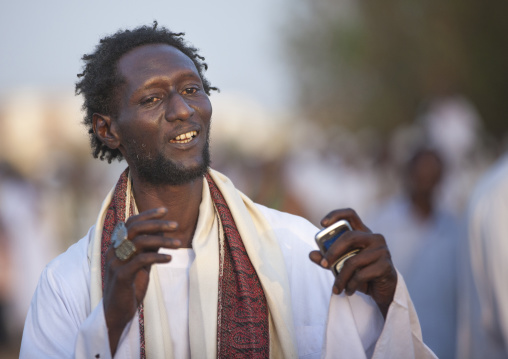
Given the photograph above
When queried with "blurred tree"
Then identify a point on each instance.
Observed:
(372, 63)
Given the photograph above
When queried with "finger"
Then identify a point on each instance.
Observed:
(316, 257)
(348, 214)
(348, 242)
(356, 263)
(361, 278)
(154, 213)
(154, 226)
(153, 243)
(146, 244)
(110, 253)
(141, 261)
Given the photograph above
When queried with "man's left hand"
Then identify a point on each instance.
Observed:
(370, 271)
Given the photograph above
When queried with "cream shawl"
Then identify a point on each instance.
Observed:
(264, 253)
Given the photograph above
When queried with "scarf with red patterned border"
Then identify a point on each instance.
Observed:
(242, 323)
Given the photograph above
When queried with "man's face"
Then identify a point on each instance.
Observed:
(164, 115)
(424, 175)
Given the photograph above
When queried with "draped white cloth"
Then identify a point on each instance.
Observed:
(483, 316)
(264, 253)
(66, 318)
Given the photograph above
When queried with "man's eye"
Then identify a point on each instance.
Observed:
(150, 100)
(190, 90)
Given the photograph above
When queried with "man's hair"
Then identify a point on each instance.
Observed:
(99, 82)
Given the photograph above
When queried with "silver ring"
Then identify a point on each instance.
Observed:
(124, 248)
(337, 266)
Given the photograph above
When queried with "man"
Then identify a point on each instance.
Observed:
(197, 269)
(422, 238)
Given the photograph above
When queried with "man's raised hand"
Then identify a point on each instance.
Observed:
(126, 281)
(370, 271)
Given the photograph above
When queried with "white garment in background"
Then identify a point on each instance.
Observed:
(61, 322)
(483, 325)
(29, 246)
(425, 252)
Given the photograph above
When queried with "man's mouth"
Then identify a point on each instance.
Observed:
(184, 137)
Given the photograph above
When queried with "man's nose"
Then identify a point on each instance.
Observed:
(178, 109)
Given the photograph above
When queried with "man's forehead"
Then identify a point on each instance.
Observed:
(151, 56)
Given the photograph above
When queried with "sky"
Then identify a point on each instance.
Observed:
(41, 42)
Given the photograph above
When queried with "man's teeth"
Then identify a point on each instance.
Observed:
(184, 137)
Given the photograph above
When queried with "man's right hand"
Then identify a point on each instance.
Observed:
(126, 281)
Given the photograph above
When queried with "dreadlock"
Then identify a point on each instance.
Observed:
(99, 82)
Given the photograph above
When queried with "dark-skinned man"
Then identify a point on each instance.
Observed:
(181, 264)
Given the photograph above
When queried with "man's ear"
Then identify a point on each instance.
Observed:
(104, 128)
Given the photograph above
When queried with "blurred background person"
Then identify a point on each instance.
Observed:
(451, 124)
(483, 315)
(423, 239)
(24, 251)
(5, 279)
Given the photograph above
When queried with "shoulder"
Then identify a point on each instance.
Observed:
(60, 304)
(393, 208)
(493, 186)
(69, 272)
(295, 236)
(488, 205)
(288, 227)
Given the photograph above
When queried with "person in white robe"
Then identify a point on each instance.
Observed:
(483, 310)
(153, 286)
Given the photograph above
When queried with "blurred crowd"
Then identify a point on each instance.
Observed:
(413, 188)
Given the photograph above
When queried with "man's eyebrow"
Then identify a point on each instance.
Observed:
(163, 81)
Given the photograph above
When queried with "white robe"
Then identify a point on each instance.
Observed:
(483, 311)
(61, 322)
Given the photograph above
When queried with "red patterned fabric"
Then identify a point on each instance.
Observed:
(242, 323)
(115, 214)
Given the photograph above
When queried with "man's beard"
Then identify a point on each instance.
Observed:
(159, 170)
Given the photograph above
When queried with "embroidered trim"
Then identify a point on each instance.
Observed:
(117, 212)
(242, 321)
(242, 327)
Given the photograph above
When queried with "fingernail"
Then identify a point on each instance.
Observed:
(324, 263)
(177, 242)
(335, 290)
(162, 210)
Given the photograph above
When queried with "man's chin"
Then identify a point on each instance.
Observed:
(160, 171)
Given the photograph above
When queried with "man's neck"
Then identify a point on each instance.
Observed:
(422, 206)
(182, 203)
